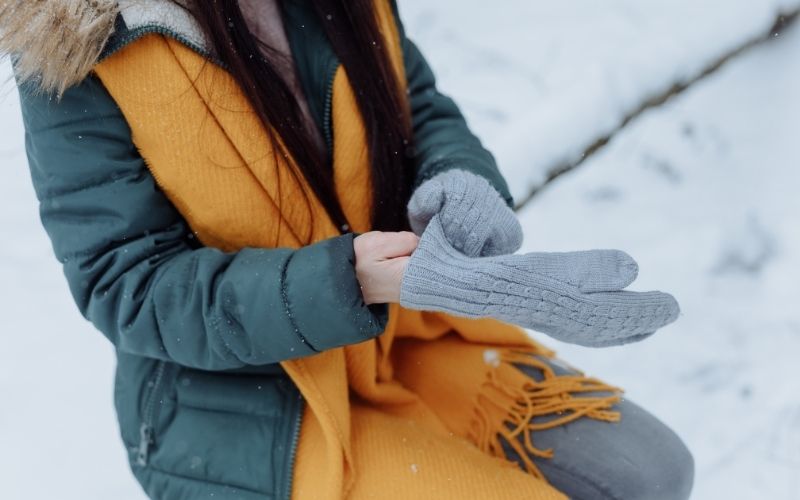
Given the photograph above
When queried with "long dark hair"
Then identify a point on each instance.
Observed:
(352, 28)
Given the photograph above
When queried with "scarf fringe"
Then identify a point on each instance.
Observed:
(505, 411)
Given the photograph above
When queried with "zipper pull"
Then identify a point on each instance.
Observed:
(145, 439)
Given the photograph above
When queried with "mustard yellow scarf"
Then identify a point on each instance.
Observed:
(416, 413)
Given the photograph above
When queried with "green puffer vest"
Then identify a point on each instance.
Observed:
(204, 409)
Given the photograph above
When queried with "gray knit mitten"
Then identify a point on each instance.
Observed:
(575, 297)
(475, 218)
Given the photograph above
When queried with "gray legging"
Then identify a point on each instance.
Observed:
(637, 458)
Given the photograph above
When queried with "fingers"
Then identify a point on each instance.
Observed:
(378, 245)
(660, 302)
(396, 244)
(380, 261)
(608, 319)
(639, 312)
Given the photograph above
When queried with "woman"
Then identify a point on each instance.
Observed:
(203, 169)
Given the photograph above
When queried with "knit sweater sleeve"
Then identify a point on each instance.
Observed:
(442, 138)
(137, 272)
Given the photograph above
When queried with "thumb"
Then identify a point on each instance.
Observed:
(505, 236)
(426, 202)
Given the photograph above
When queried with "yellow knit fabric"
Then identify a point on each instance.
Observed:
(415, 413)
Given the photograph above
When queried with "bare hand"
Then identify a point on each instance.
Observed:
(381, 259)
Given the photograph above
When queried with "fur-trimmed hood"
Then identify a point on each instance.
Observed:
(56, 43)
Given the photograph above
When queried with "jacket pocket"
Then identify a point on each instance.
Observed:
(247, 394)
(150, 412)
(221, 428)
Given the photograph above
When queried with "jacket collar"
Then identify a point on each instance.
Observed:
(163, 16)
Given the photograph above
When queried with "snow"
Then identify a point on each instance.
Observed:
(58, 431)
(541, 81)
(701, 191)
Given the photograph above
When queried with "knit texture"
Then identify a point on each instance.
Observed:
(575, 297)
(235, 194)
(382, 417)
(475, 218)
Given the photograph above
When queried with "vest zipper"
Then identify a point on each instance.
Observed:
(327, 126)
(298, 420)
(150, 414)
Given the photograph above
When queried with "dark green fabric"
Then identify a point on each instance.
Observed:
(315, 61)
(442, 139)
(137, 273)
(216, 434)
(204, 410)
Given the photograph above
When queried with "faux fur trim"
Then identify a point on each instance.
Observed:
(56, 43)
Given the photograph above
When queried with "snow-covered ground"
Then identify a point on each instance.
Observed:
(58, 432)
(542, 80)
(702, 191)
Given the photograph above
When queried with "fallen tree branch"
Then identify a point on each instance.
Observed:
(781, 23)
